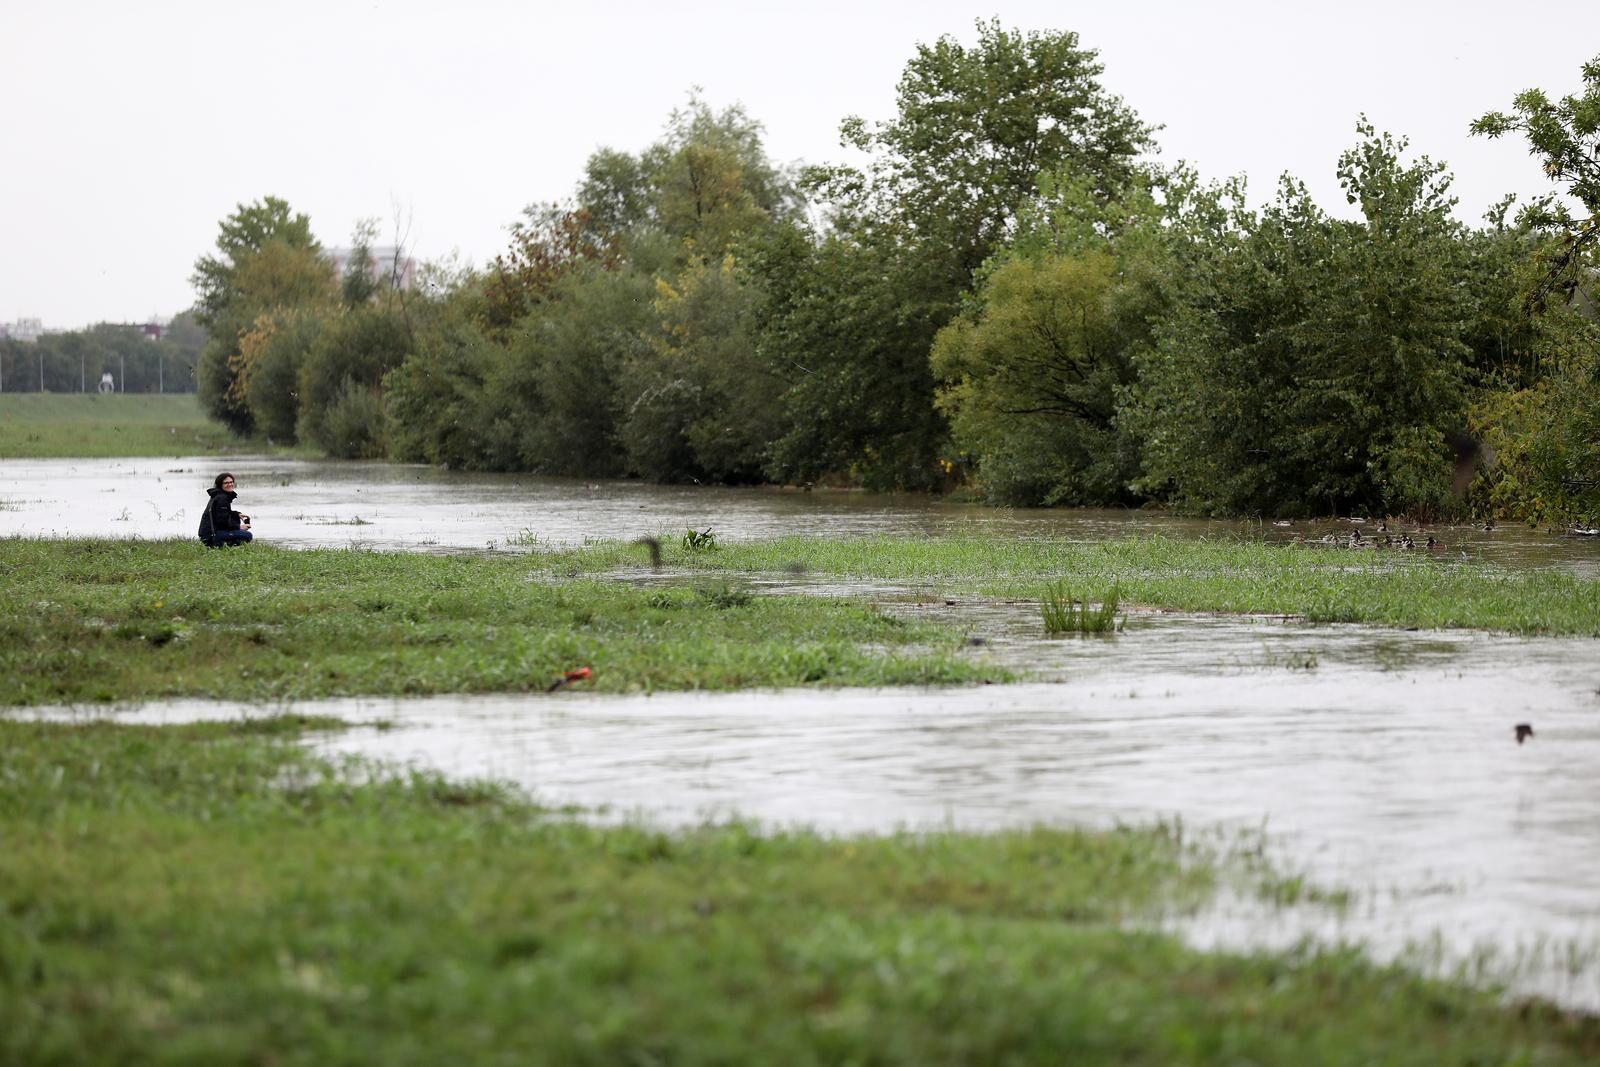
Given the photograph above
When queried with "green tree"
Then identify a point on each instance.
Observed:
(341, 381)
(975, 129)
(1565, 136)
(1317, 365)
(444, 405)
(228, 280)
(360, 283)
(266, 260)
(267, 373)
(1033, 373)
(565, 372)
(846, 323)
(699, 404)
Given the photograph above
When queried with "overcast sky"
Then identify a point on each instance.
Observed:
(128, 131)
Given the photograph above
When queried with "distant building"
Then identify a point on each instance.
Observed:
(387, 260)
(21, 330)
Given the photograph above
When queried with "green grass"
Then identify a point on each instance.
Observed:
(94, 620)
(1321, 585)
(1064, 615)
(62, 425)
(213, 895)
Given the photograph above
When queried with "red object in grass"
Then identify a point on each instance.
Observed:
(577, 675)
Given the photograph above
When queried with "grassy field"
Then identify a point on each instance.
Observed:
(113, 620)
(213, 895)
(61, 425)
(1408, 589)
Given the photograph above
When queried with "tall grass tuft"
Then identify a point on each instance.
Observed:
(1063, 615)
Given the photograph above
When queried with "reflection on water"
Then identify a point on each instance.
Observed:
(1378, 760)
(388, 506)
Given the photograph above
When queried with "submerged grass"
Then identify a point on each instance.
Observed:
(1064, 615)
(55, 425)
(1396, 589)
(98, 620)
(191, 895)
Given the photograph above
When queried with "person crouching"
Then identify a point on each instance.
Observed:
(220, 525)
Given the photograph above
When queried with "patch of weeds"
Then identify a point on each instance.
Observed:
(463, 794)
(664, 599)
(1301, 661)
(725, 596)
(155, 633)
(1064, 615)
(1287, 890)
(699, 540)
(527, 537)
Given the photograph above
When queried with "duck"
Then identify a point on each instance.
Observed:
(1523, 730)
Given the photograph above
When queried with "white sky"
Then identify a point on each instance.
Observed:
(128, 131)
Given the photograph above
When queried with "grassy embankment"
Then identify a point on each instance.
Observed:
(109, 620)
(91, 426)
(211, 894)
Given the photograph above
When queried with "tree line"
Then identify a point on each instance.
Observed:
(1007, 298)
(72, 361)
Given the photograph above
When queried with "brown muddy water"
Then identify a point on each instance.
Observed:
(1381, 762)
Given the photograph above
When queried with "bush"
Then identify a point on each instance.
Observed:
(352, 427)
(359, 347)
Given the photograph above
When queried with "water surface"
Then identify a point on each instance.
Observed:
(1377, 760)
(302, 504)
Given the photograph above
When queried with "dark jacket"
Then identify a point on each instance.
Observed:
(219, 516)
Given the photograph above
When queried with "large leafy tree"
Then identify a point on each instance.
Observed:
(266, 260)
(232, 277)
(976, 126)
(1032, 374)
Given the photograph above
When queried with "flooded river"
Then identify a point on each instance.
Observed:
(1381, 761)
(305, 504)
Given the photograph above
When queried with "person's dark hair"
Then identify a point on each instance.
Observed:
(224, 476)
